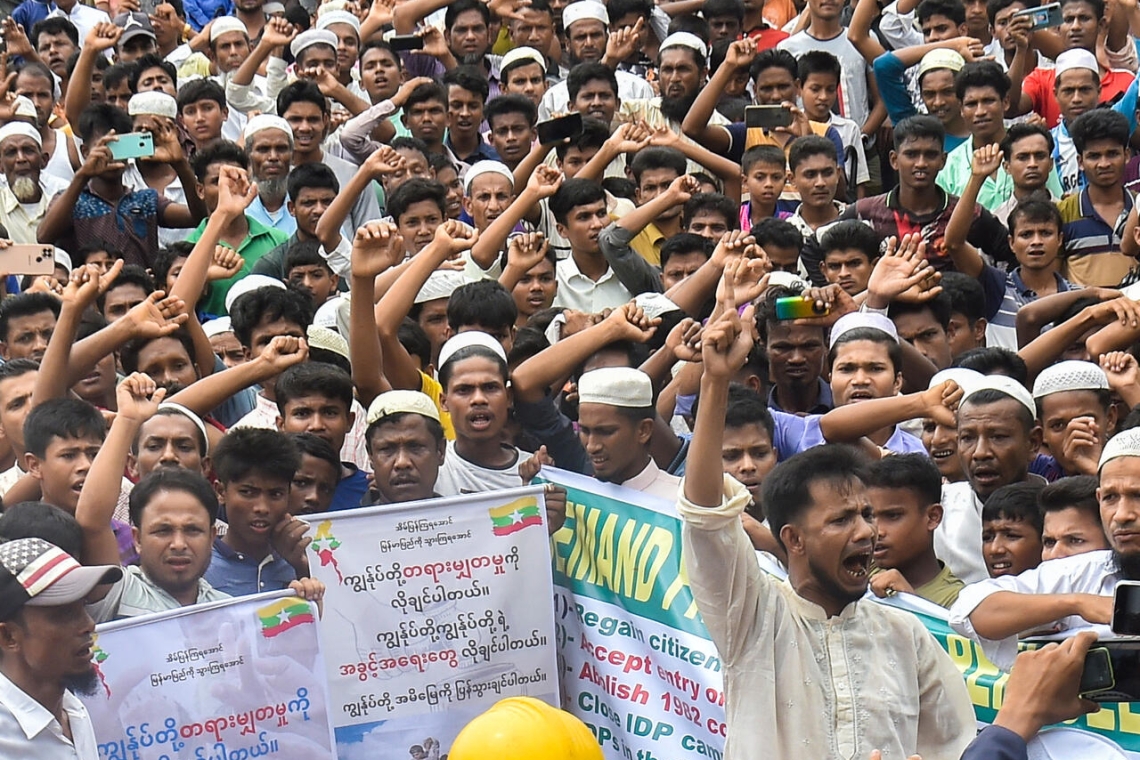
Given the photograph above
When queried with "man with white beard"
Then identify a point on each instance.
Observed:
(269, 145)
(23, 197)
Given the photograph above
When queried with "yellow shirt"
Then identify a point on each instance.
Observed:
(942, 589)
(431, 387)
(648, 242)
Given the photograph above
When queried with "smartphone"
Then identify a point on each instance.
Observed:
(133, 145)
(400, 42)
(557, 130)
(28, 258)
(148, 6)
(1097, 674)
(767, 117)
(1126, 609)
(799, 307)
(1043, 17)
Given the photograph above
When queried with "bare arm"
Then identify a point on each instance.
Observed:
(1033, 316)
(102, 37)
(1008, 613)
(859, 32)
(1045, 349)
(274, 38)
(696, 124)
(847, 424)
(544, 183)
(205, 395)
(376, 248)
(967, 260)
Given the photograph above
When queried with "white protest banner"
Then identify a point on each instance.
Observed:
(436, 610)
(228, 680)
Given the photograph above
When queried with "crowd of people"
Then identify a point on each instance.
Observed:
(853, 285)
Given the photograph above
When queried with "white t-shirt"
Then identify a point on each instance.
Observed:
(459, 476)
(853, 100)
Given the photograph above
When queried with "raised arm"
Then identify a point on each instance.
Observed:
(847, 424)
(385, 160)
(524, 252)
(967, 260)
(1020, 66)
(627, 138)
(1049, 346)
(102, 37)
(696, 124)
(726, 170)
(274, 37)
(377, 248)
(1035, 315)
(543, 183)
(207, 394)
(859, 31)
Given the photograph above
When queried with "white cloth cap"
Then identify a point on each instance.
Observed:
(584, 9)
(248, 284)
(225, 25)
(13, 128)
(1076, 59)
(1002, 384)
(616, 386)
(327, 19)
(655, 304)
(62, 258)
(486, 167)
(272, 8)
(686, 39)
(327, 340)
(785, 280)
(467, 340)
(266, 121)
(217, 326)
(310, 38)
(1070, 375)
(440, 284)
(522, 54)
(327, 313)
(153, 103)
(401, 402)
(965, 378)
(858, 319)
(23, 107)
(1126, 443)
(190, 416)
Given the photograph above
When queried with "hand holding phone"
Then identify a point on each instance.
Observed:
(800, 307)
(1043, 17)
(405, 42)
(767, 117)
(132, 145)
(555, 131)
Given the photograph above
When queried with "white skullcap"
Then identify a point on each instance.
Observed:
(584, 9)
(266, 121)
(225, 25)
(271, 8)
(62, 258)
(1076, 59)
(217, 326)
(13, 128)
(248, 284)
(467, 340)
(616, 386)
(154, 103)
(941, 58)
(23, 107)
(858, 319)
(327, 313)
(655, 304)
(174, 406)
(785, 280)
(327, 340)
(440, 284)
(325, 20)
(1002, 384)
(1126, 443)
(1070, 375)
(401, 402)
(312, 37)
(965, 378)
(486, 167)
(522, 54)
(686, 39)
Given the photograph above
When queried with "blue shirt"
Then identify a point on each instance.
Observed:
(1005, 295)
(889, 71)
(240, 574)
(283, 221)
(350, 491)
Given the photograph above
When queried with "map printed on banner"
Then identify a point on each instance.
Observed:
(228, 680)
(436, 610)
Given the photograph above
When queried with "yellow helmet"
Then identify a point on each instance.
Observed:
(524, 728)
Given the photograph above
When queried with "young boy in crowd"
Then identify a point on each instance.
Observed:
(820, 74)
(905, 493)
(765, 170)
(783, 242)
(308, 271)
(484, 306)
(1074, 406)
(1072, 523)
(1011, 529)
(850, 250)
(315, 481)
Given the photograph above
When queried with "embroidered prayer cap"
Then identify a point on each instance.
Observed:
(217, 326)
(175, 407)
(265, 121)
(480, 168)
(1070, 375)
(153, 103)
(686, 39)
(785, 280)
(941, 58)
(519, 54)
(36, 573)
(440, 284)
(24, 108)
(327, 19)
(1076, 58)
(22, 129)
(655, 304)
(522, 728)
(584, 9)
(616, 386)
(225, 25)
(248, 284)
(310, 38)
(1002, 384)
(1124, 444)
(401, 402)
(469, 339)
(857, 319)
(326, 315)
(327, 340)
(133, 25)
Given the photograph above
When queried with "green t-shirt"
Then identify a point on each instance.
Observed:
(260, 241)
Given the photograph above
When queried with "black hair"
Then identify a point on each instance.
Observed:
(416, 190)
(98, 119)
(25, 305)
(469, 352)
(919, 128)
(803, 148)
(53, 25)
(695, 25)
(114, 74)
(17, 367)
(1022, 130)
(245, 450)
(485, 303)
(415, 340)
(102, 63)
(219, 151)
(317, 176)
(305, 253)
(574, 192)
(1096, 5)
(470, 78)
(377, 44)
(620, 187)
(413, 143)
(619, 8)
(271, 304)
(716, 8)
(993, 360)
(131, 274)
(584, 73)
(715, 203)
(994, 7)
(779, 233)
(980, 74)
(951, 9)
(648, 159)
(178, 480)
(1074, 492)
(433, 426)
(775, 59)
(170, 411)
(1016, 502)
(314, 379)
(301, 91)
(201, 89)
(462, 6)
(152, 61)
(425, 92)
(529, 342)
(129, 353)
(769, 155)
(820, 62)
(61, 418)
(94, 245)
(938, 306)
(38, 519)
(851, 234)
(966, 296)
(313, 445)
(592, 137)
(1034, 210)
(686, 242)
(508, 104)
(1099, 124)
(766, 308)
(787, 489)
(437, 161)
(747, 407)
(913, 472)
(989, 396)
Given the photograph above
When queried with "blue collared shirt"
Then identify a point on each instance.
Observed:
(238, 574)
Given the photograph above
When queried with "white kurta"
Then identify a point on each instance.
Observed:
(799, 684)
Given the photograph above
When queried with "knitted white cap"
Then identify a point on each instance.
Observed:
(310, 38)
(266, 121)
(401, 402)
(440, 284)
(1124, 444)
(686, 39)
(616, 386)
(326, 339)
(225, 25)
(153, 103)
(1070, 375)
(522, 54)
(486, 167)
(325, 20)
(584, 9)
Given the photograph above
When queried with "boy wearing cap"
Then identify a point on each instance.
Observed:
(523, 72)
(938, 63)
(346, 27)
(45, 650)
(406, 447)
(238, 63)
(1074, 405)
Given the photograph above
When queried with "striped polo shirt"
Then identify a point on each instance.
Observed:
(1091, 245)
(1002, 328)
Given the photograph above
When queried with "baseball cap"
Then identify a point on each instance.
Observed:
(36, 573)
(133, 25)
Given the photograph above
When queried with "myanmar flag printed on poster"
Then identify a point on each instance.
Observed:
(511, 518)
(280, 616)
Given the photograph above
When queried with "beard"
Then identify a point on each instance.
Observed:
(1129, 565)
(85, 684)
(25, 189)
(831, 587)
(675, 109)
(272, 190)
